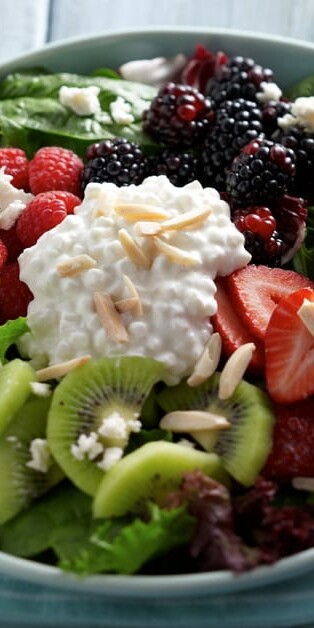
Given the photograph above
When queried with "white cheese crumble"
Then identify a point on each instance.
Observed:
(41, 389)
(12, 201)
(41, 459)
(155, 71)
(302, 114)
(120, 110)
(111, 456)
(269, 91)
(177, 299)
(83, 101)
(88, 446)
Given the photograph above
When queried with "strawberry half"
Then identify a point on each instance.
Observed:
(293, 442)
(232, 330)
(256, 289)
(289, 350)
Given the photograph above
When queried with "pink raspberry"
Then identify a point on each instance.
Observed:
(44, 211)
(55, 168)
(14, 293)
(16, 164)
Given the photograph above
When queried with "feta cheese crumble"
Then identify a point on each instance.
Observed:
(156, 71)
(302, 114)
(269, 91)
(175, 286)
(41, 459)
(120, 110)
(83, 101)
(12, 201)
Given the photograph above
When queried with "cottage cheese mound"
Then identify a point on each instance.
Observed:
(175, 282)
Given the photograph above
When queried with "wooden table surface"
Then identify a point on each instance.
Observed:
(28, 24)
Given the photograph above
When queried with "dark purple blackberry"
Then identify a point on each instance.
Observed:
(237, 122)
(180, 168)
(271, 112)
(302, 144)
(261, 173)
(117, 161)
(179, 115)
(240, 77)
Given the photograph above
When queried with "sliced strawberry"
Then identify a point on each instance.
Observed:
(232, 330)
(256, 290)
(289, 350)
(293, 442)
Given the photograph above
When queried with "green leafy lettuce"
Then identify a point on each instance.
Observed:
(303, 260)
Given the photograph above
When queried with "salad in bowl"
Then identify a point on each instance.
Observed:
(157, 310)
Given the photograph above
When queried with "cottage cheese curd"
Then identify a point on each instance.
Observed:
(175, 285)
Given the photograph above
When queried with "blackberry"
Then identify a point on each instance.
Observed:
(302, 143)
(240, 77)
(237, 122)
(179, 115)
(261, 172)
(271, 112)
(180, 168)
(117, 161)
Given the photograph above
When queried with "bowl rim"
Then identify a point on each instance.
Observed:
(195, 584)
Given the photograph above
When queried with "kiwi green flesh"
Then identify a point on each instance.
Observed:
(85, 397)
(149, 473)
(245, 446)
(19, 484)
(15, 379)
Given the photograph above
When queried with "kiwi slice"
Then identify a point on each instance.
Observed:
(98, 390)
(15, 379)
(245, 446)
(20, 484)
(149, 473)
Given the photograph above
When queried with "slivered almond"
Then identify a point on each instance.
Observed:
(304, 484)
(75, 265)
(135, 211)
(207, 362)
(134, 293)
(193, 420)
(174, 254)
(206, 438)
(188, 219)
(110, 317)
(133, 250)
(234, 369)
(145, 228)
(306, 314)
(58, 370)
(125, 305)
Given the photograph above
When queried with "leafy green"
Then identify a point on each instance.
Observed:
(303, 260)
(32, 531)
(302, 88)
(9, 334)
(124, 546)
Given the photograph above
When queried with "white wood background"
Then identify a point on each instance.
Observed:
(28, 24)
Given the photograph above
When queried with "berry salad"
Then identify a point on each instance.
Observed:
(157, 316)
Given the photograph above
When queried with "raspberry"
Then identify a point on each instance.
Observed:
(44, 211)
(238, 78)
(14, 293)
(3, 253)
(12, 243)
(261, 172)
(117, 161)
(16, 164)
(55, 168)
(180, 168)
(179, 115)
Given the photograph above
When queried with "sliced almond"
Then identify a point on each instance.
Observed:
(189, 219)
(134, 293)
(205, 438)
(234, 370)
(174, 254)
(125, 305)
(304, 484)
(76, 265)
(193, 421)
(145, 228)
(133, 250)
(58, 370)
(110, 317)
(135, 211)
(207, 363)
(306, 314)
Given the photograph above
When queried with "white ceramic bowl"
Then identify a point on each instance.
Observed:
(269, 596)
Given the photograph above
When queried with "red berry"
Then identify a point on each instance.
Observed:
(55, 168)
(289, 350)
(14, 293)
(3, 253)
(293, 442)
(16, 164)
(45, 211)
(12, 243)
